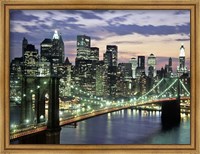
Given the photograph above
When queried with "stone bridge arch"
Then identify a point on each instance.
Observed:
(34, 90)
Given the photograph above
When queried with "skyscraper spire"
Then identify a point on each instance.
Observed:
(182, 68)
(55, 35)
(182, 51)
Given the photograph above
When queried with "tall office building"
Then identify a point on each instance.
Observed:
(83, 47)
(24, 45)
(169, 70)
(31, 59)
(110, 61)
(45, 57)
(15, 80)
(100, 78)
(57, 52)
(85, 64)
(133, 62)
(182, 67)
(65, 81)
(45, 50)
(141, 66)
(111, 55)
(151, 66)
(170, 65)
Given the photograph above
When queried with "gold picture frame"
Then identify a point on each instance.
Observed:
(6, 5)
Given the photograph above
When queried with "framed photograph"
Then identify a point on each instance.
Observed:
(97, 76)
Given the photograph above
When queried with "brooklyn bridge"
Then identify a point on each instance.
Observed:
(49, 116)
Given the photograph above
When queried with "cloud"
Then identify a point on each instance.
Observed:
(184, 39)
(135, 32)
(127, 42)
(19, 29)
(89, 15)
(148, 30)
(149, 17)
(20, 16)
(180, 12)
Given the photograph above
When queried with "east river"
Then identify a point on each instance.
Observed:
(128, 126)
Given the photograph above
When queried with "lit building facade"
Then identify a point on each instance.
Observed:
(57, 52)
(133, 62)
(141, 66)
(110, 61)
(16, 80)
(94, 54)
(30, 63)
(101, 75)
(45, 50)
(83, 47)
(111, 55)
(151, 66)
(65, 81)
(125, 69)
(84, 72)
(182, 68)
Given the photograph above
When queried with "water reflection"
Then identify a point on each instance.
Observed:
(127, 127)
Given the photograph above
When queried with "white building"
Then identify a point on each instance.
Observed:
(133, 62)
(151, 65)
(182, 68)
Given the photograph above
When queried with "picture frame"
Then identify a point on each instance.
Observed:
(7, 5)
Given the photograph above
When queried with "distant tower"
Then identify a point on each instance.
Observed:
(182, 67)
(151, 65)
(170, 66)
(141, 62)
(24, 45)
(141, 66)
(57, 52)
(133, 62)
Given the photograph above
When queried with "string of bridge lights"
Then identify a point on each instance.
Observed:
(97, 98)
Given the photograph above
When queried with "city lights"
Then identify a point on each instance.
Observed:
(92, 85)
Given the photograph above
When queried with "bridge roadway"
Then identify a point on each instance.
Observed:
(42, 127)
(159, 101)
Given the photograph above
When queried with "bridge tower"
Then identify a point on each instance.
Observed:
(34, 90)
(53, 127)
(33, 99)
(171, 111)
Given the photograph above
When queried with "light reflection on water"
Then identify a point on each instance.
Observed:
(126, 127)
(123, 127)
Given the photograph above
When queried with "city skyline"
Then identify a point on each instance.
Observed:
(156, 33)
(48, 88)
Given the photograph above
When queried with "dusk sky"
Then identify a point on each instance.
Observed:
(135, 32)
